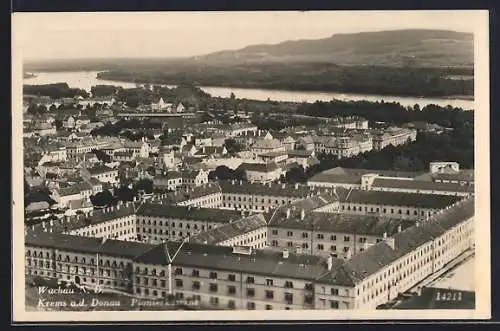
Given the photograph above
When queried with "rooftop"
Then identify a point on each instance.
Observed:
(222, 258)
(231, 230)
(269, 189)
(188, 212)
(340, 223)
(421, 185)
(259, 167)
(415, 200)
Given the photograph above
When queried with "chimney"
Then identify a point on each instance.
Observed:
(286, 253)
(399, 228)
(288, 213)
(329, 262)
(43, 224)
(296, 186)
(302, 214)
(283, 186)
(385, 235)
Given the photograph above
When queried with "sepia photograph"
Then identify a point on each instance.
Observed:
(281, 165)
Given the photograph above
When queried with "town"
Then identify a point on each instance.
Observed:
(156, 197)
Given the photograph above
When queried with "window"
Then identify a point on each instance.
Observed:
(251, 305)
(320, 236)
(269, 282)
(231, 304)
(250, 280)
(289, 298)
(333, 248)
(213, 275)
(178, 271)
(213, 287)
(362, 240)
(269, 307)
(333, 238)
(196, 273)
(289, 233)
(334, 291)
(305, 235)
(231, 290)
(214, 301)
(334, 304)
(178, 283)
(196, 285)
(347, 238)
(288, 284)
(320, 247)
(231, 277)
(269, 294)
(250, 292)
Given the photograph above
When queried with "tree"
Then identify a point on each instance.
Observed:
(144, 184)
(58, 124)
(296, 175)
(104, 198)
(223, 173)
(101, 155)
(232, 146)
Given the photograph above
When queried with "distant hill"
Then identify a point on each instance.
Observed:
(419, 48)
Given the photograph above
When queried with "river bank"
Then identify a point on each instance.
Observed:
(86, 79)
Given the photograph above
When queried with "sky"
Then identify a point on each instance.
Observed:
(41, 36)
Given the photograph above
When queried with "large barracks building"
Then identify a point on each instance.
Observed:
(235, 245)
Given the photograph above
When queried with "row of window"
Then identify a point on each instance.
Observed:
(275, 232)
(172, 225)
(262, 200)
(384, 210)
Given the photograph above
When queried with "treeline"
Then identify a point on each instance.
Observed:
(133, 97)
(306, 76)
(389, 112)
(131, 129)
(55, 91)
(457, 145)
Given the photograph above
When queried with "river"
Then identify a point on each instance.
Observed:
(87, 79)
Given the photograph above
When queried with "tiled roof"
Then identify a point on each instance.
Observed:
(463, 175)
(267, 144)
(124, 154)
(415, 200)
(231, 230)
(340, 223)
(81, 221)
(168, 175)
(62, 242)
(331, 178)
(188, 213)
(259, 167)
(88, 245)
(191, 193)
(101, 169)
(74, 189)
(300, 153)
(421, 185)
(222, 258)
(270, 189)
